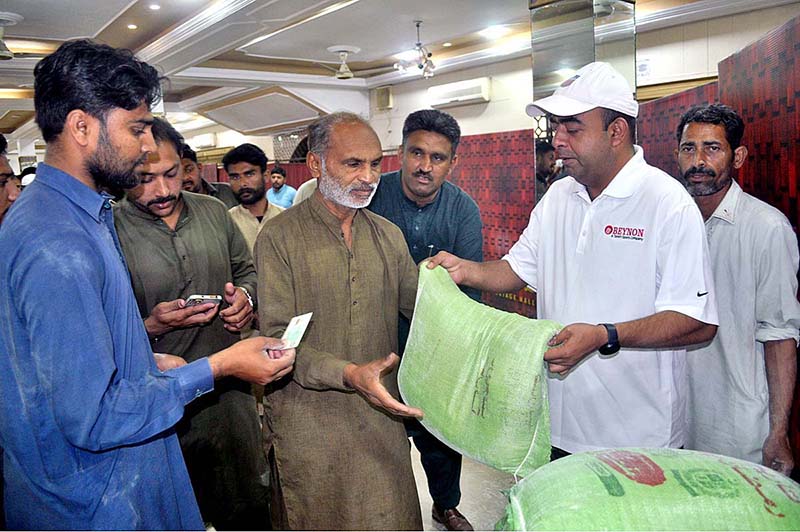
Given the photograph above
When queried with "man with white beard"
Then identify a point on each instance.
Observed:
(339, 455)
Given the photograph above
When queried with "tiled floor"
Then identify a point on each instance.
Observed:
(482, 498)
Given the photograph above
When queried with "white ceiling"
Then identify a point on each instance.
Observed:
(207, 47)
(383, 28)
(63, 19)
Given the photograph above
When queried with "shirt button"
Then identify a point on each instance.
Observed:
(353, 279)
(355, 303)
(414, 246)
(198, 393)
(416, 228)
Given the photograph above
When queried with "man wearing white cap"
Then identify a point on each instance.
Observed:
(616, 249)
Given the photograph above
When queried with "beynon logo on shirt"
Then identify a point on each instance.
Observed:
(625, 233)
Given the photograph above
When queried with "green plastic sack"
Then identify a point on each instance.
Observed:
(653, 489)
(478, 374)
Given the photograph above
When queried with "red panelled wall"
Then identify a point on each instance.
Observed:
(498, 171)
(762, 82)
(658, 120)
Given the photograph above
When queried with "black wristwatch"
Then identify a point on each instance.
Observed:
(613, 340)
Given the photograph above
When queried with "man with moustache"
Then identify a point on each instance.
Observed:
(87, 418)
(194, 182)
(245, 166)
(338, 454)
(433, 214)
(9, 182)
(176, 244)
(545, 166)
(741, 385)
(280, 193)
(616, 251)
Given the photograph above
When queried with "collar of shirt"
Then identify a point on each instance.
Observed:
(625, 183)
(332, 222)
(209, 188)
(726, 210)
(81, 195)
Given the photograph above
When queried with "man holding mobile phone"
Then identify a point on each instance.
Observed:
(179, 244)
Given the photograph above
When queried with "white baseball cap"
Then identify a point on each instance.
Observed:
(595, 85)
(27, 180)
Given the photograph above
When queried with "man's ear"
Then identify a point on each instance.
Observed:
(81, 127)
(314, 164)
(453, 163)
(739, 156)
(618, 131)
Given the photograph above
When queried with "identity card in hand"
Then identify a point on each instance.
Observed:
(296, 329)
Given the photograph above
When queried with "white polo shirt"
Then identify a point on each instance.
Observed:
(754, 257)
(637, 249)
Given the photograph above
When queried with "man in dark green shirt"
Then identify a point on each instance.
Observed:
(434, 215)
(177, 244)
(194, 182)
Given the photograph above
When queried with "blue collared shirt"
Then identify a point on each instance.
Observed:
(283, 198)
(86, 417)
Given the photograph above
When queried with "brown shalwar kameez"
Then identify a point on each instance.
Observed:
(341, 464)
(219, 432)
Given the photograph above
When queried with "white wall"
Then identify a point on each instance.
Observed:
(679, 53)
(512, 86)
(229, 138)
(693, 50)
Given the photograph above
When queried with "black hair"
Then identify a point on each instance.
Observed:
(3, 144)
(248, 153)
(435, 121)
(278, 170)
(717, 114)
(543, 146)
(188, 153)
(163, 131)
(93, 77)
(609, 115)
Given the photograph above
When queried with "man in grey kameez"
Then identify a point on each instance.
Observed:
(177, 244)
(339, 455)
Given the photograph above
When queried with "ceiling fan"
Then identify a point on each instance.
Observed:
(343, 50)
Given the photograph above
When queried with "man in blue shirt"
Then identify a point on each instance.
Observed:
(87, 418)
(434, 215)
(280, 194)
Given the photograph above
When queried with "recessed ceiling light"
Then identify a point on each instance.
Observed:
(408, 55)
(154, 7)
(495, 32)
(447, 44)
(133, 27)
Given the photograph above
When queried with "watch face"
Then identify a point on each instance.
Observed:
(609, 349)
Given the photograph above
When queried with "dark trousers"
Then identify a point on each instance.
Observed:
(442, 466)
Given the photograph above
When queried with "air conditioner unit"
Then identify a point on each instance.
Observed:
(206, 140)
(465, 92)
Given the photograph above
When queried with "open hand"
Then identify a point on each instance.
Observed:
(366, 380)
